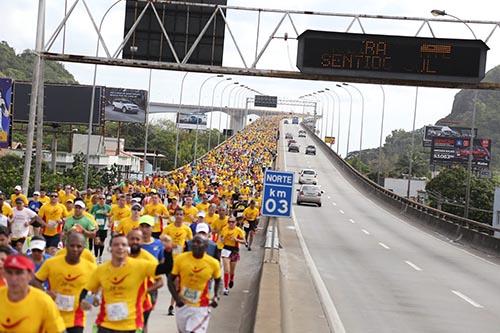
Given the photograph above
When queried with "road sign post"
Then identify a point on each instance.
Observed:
(278, 188)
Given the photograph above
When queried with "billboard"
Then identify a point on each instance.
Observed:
(266, 101)
(183, 24)
(5, 115)
(125, 105)
(192, 120)
(330, 139)
(457, 150)
(445, 132)
(63, 104)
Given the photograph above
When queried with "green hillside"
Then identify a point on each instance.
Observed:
(20, 66)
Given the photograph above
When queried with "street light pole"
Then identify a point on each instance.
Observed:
(147, 128)
(410, 169)
(221, 106)
(212, 114)
(91, 116)
(332, 94)
(350, 117)
(176, 125)
(362, 116)
(437, 12)
(229, 105)
(381, 135)
(197, 122)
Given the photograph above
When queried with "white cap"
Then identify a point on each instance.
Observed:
(37, 244)
(36, 193)
(18, 188)
(202, 227)
(201, 213)
(136, 199)
(80, 204)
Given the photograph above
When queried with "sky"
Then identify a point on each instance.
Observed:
(19, 28)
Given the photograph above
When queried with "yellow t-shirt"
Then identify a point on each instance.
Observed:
(65, 197)
(211, 219)
(179, 236)
(67, 281)
(118, 213)
(51, 214)
(160, 210)
(228, 236)
(219, 224)
(36, 313)
(126, 225)
(203, 206)
(7, 210)
(251, 214)
(189, 211)
(122, 293)
(86, 254)
(44, 200)
(14, 196)
(195, 276)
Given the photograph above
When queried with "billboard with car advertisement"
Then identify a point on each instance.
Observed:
(192, 120)
(445, 132)
(125, 105)
(457, 150)
(5, 115)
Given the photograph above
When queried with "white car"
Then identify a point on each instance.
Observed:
(308, 176)
(125, 106)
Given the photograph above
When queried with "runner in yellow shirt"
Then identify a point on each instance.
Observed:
(230, 238)
(194, 271)
(219, 224)
(211, 217)
(179, 232)
(250, 214)
(204, 204)
(160, 213)
(190, 211)
(119, 211)
(121, 281)
(23, 308)
(67, 276)
(129, 223)
(17, 194)
(52, 215)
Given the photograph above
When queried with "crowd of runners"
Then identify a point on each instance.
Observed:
(188, 225)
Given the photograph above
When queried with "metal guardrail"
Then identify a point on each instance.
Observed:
(406, 203)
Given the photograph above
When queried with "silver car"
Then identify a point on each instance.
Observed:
(309, 194)
(308, 176)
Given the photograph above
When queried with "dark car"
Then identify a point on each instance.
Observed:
(291, 141)
(286, 121)
(310, 150)
(288, 136)
(293, 147)
(302, 134)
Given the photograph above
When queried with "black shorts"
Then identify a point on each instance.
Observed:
(102, 234)
(156, 234)
(252, 226)
(145, 315)
(101, 329)
(74, 330)
(52, 241)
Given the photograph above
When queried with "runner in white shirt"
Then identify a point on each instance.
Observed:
(22, 218)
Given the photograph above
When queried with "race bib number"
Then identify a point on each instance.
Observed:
(100, 222)
(246, 225)
(191, 295)
(65, 302)
(117, 311)
(18, 229)
(225, 253)
(52, 224)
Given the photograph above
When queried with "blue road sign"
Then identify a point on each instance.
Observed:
(278, 189)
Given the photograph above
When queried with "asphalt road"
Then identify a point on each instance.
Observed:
(385, 275)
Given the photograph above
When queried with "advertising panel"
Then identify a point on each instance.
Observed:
(192, 120)
(330, 139)
(5, 101)
(446, 132)
(125, 105)
(266, 101)
(63, 104)
(457, 151)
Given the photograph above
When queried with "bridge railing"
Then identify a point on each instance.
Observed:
(460, 228)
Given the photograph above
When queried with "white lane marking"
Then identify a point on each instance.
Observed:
(467, 299)
(341, 211)
(329, 197)
(365, 231)
(412, 265)
(334, 203)
(352, 221)
(384, 246)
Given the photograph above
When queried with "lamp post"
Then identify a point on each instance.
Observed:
(333, 94)
(410, 169)
(197, 120)
(362, 116)
(381, 135)
(350, 117)
(211, 115)
(321, 93)
(176, 126)
(437, 12)
(91, 116)
(221, 104)
(236, 86)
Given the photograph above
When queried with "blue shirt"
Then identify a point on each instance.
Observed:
(155, 248)
(35, 206)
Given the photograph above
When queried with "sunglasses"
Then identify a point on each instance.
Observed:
(136, 209)
(54, 196)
